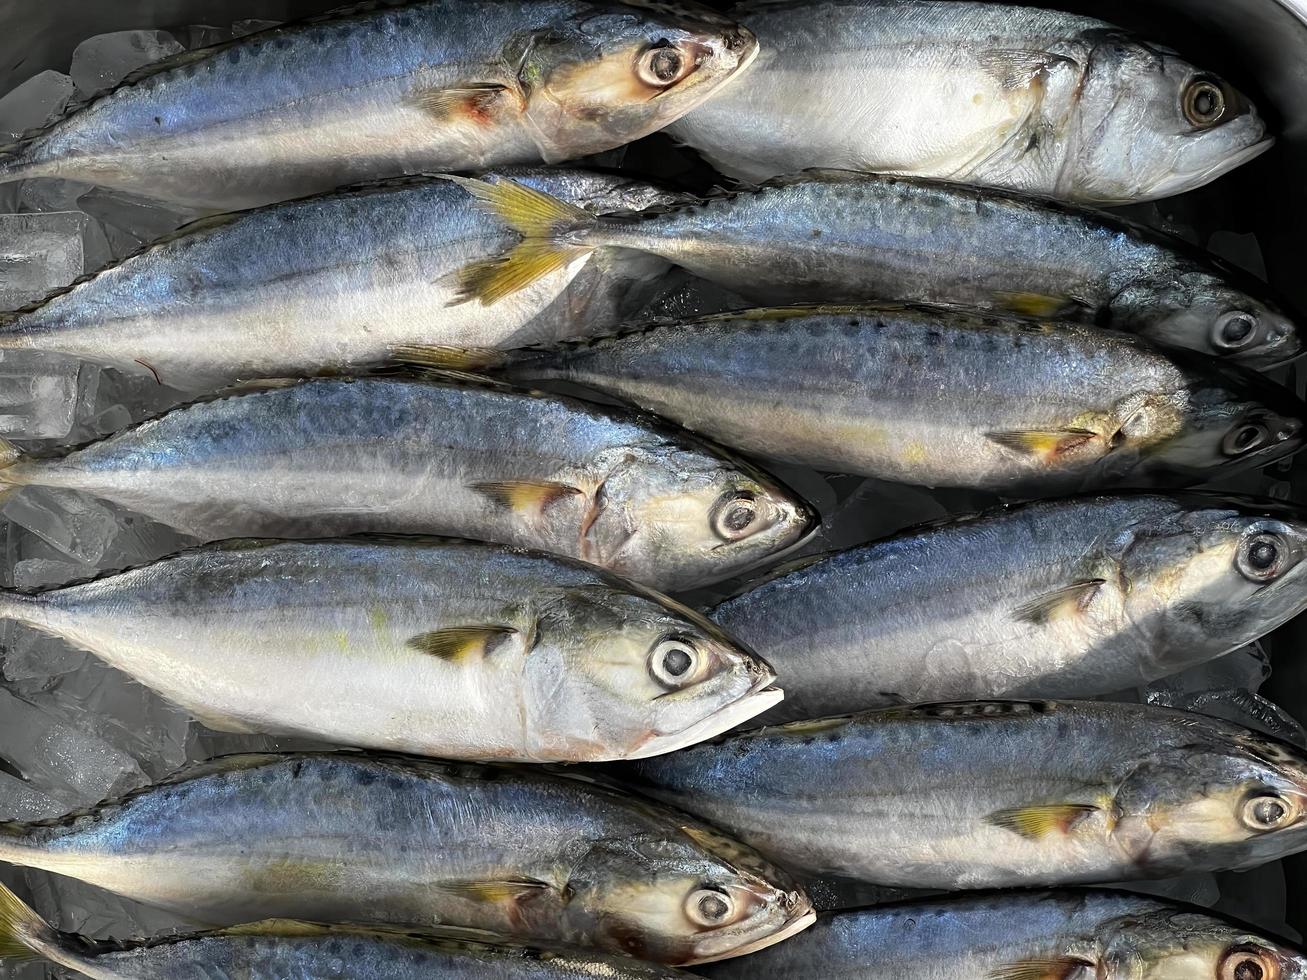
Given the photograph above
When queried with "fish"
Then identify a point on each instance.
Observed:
(328, 285)
(348, 837)
(831, 236)
(457, 457)
(941, 397)
(1070, 598)
(1056, 935)
(430, 647)
(383, 89)
(996, 794)
(289, 948)
(983, 93)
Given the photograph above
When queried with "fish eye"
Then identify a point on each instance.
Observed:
(1234, 330)
(736, 516)
(1245, 438)
(1248, 963)
(709, 907)
(1267, 812)
(1261, 557)
(1203, 102)
(673, 661)
(662, 65)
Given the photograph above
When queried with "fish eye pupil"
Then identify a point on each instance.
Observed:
(1248, 969)
(677, 661)
(665, 64)
(1268, 812)
(1237, 328)
(713, 907)
(1204, 103)
(1261, 556)
(739, 516)
(1246, 437)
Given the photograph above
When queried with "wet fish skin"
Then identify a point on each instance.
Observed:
(475, 460)
(937, 396)
(328, 284)
(1066, 598)
(302, 951)
(840, 236)
(982, 93)
(350, 837)
(1115, 936)
(996, 794)
(436, 648)
(390, 89)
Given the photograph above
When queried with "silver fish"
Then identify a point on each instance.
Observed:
(357, 838)
(982, 93)
(295, 950)
(989, 794)
(483, 461)
(326, 284)
(1070, 598)
(838, 236)
(436, 648)
(1065, 935)
(934, 396)
(378, 90)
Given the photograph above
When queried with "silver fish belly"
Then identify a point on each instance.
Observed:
(1116, 935)
(1070, 598)
(996, 794)
(982, 93)
(436, 648)
(354, 838)
(320, 285)
(383, 90)
(488, 462)
(938, 396)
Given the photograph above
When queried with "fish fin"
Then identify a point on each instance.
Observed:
(24, 935)
(1070, 598)
(1048, 444)
(1038, 821)
(1017, 67)
(539, 218)
(475, 101)
(510, 891)
(280, 928)
(458, 644)
(445, 358)
(525, 495)
(1036, 304)
(1055, 968)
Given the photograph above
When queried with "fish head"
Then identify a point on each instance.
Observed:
(1232, 420)
(1200, 311)
(1151, 125)
(1237, 797)
(682, 516)
(1167, 944)
(647, 674)
(1217, 574)
(618, 71)
(683, 897)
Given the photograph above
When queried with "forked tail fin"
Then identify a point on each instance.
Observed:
(543, 221)
(24, 935)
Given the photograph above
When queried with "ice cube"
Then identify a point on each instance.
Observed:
(30, 654)
(38, 395)
(201, 35)
(75, 525)
(103, 61)
(19, 800)
(244, 27)
(33, 104)
(129, 222)
(39, 253)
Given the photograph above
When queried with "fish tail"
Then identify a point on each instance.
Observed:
(548, 228)
(24, 935)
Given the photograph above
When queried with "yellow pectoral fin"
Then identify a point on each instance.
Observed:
(477, 102)
(448, 359)
(508, 892)
(458, 644)
(1071, 599)
(1048, 445)
(525, 496)
(1038, 305)
(1055, 968)
(1034, 822)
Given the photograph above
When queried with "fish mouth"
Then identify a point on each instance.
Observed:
(755, 702)
(1180, 182)
(793, 927)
